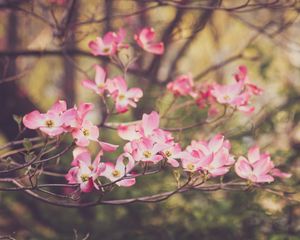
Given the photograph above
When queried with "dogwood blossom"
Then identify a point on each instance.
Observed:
(182, 86)
(121, 169)
(50, 123)
(85, 172)
(109, 44)
(85, 133)
(242, 76)
(147, 150)
(145, 39)
(258, 167)
(212, 157)
(99, 85)
(233, 95)
(123, 96)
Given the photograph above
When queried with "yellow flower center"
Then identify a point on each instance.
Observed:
(168, 153)
(147, 154)
(91, 167)
(191, 167)
(85, 132)
(116, 173)
(226, 98)
(49, 124)
(84, 177)
(106, 50)
(121, 97)
(101, 85)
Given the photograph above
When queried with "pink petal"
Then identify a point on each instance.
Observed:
(150, 122)
(79, 150)
(120, 84)
(89, 85)
(147, 34)
(52, 132)
(253, 154)
(108, 147)
(156, 48)
(33, 120)
(128, 132)
(84, 108)
(94, 133)
(122, 106)
(100, 75)
(69, 118)
(93, 45)
(134, 93)
(262, 166)
(264, 178)
(173, 162)
(278, 173)
(77, 155)
(71, 176)
(221, 158)
(109, 168)
(126, 182)
(87, 186)
(219, 171)
(59, 107)
(216, 143)
(243, 168)
(83, 158)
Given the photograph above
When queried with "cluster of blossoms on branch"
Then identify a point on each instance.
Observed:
(236, 95)
(112, 42)
(147, 144)
(58, 120)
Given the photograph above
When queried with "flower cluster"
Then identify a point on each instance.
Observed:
(116, 88)
(211, 158)
(258, 167)
(147, 144)
(236, 95)
(112, 42)
(58, 120)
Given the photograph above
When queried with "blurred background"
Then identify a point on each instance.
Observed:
(44, 55)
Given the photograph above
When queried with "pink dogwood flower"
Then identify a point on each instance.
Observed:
(145, 39)
(233, 95)
(204, 98)
(85, 133)
(190, 164)
(50, 123)
(75, 116)
(257, 172)
(213, 156)
(258, 167)
(119, 172)
(147, 127)
(182, 86)
(99, 85)
(123, 96)
(172, 154)
(109, 44)
(146, 150)
(85, 172)
(242, 76)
